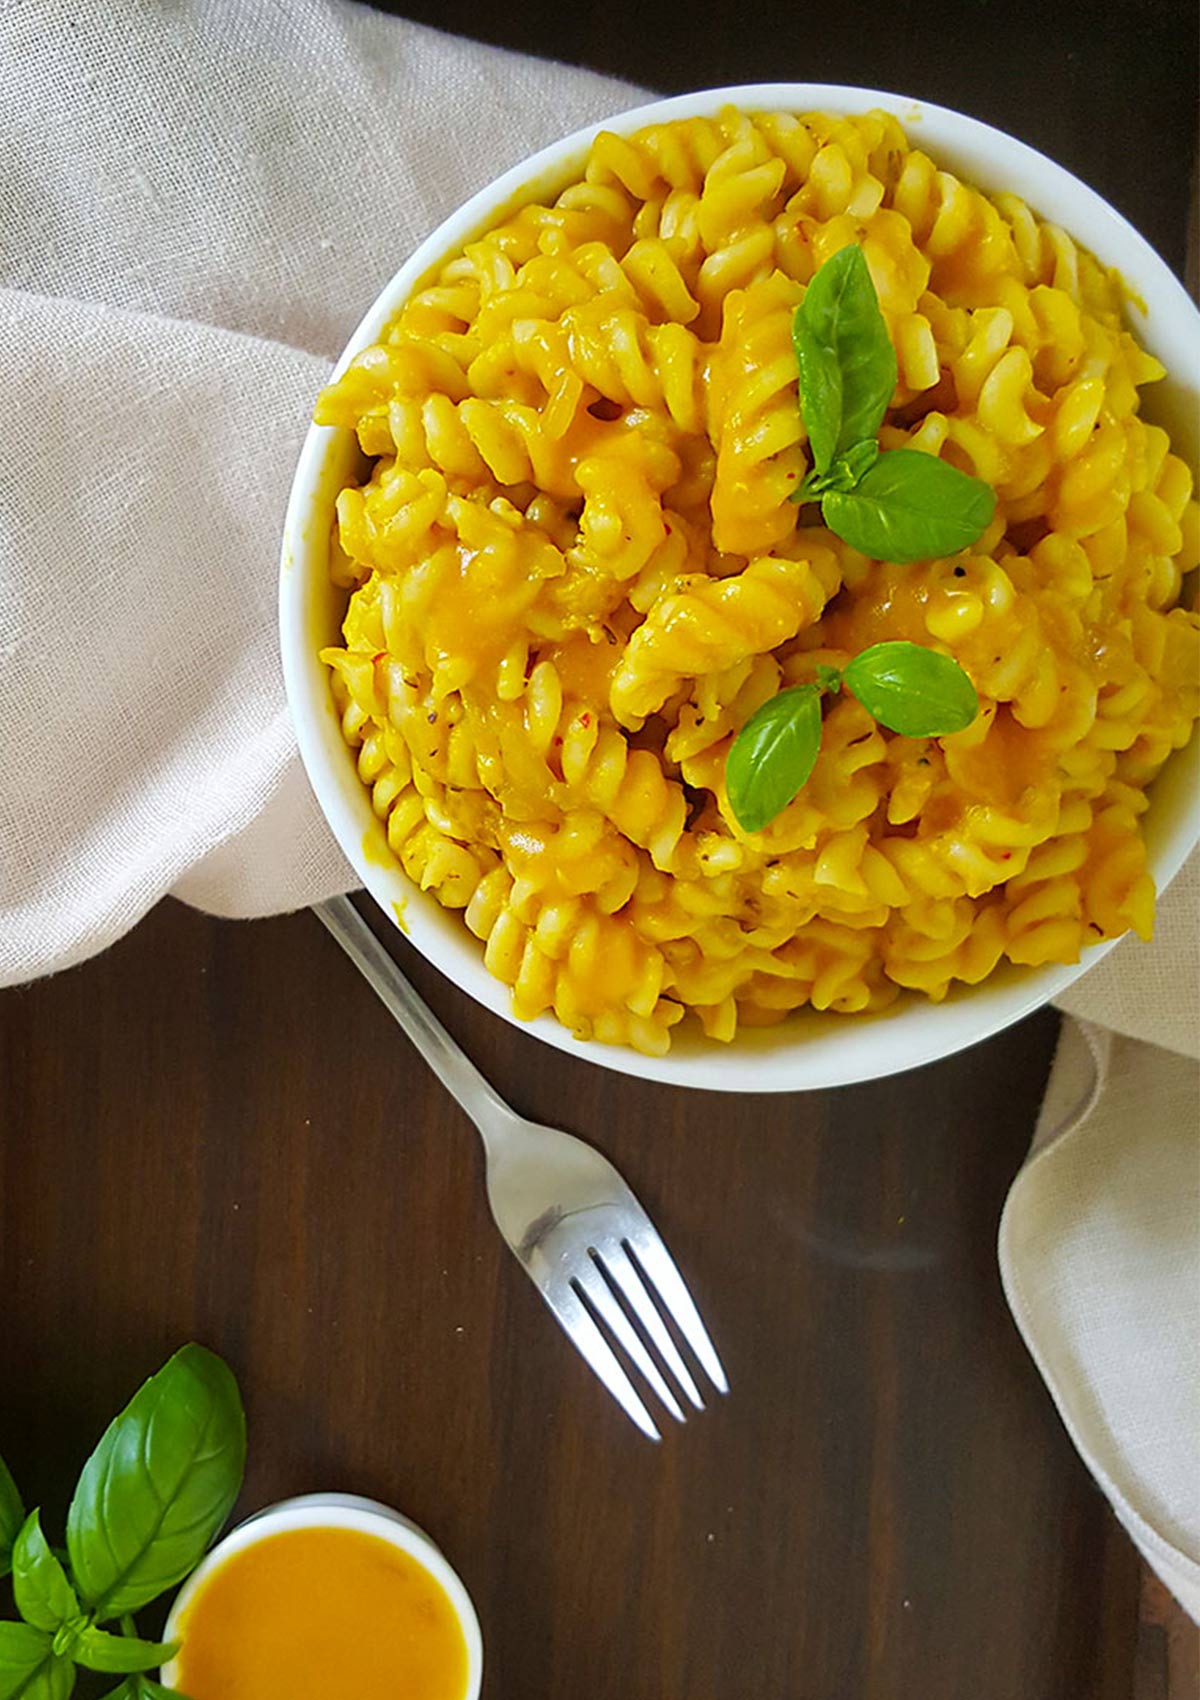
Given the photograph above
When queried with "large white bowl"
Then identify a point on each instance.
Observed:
(810, 1050)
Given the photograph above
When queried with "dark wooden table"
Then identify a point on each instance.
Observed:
(215, 1132)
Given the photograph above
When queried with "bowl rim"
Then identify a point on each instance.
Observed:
(336, 1511)
(810, 1051)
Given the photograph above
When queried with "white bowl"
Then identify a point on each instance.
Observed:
(810, 1050)
(337, 1511)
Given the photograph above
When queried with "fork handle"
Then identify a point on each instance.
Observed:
(457, 1073)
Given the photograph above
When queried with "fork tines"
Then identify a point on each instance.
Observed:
(618, 1297)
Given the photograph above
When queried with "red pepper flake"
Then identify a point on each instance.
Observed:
(379, 655)
(557, 740)
(585, 719)
(1006, 855)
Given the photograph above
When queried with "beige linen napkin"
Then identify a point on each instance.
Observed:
(197, 202)
(1100, 1237)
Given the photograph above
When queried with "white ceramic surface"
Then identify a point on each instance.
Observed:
(812, 1050)
(338, 1511)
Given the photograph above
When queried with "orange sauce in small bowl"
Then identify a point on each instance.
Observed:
(316, 1613)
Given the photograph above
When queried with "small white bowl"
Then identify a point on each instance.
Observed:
(337, 1511)
(810, 1050)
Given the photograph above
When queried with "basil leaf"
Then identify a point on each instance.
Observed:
(23, 1651)
(57, 1679)
(915, 691)
(100, 1651)
(29, 1670)
(910, 506)
(143, 1688)
(846, 359)
(12, 1515)
(44, 1596)
(159, 1485)
(773, 755)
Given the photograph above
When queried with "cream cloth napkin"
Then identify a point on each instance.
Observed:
(1100, 1237)
(197, 202)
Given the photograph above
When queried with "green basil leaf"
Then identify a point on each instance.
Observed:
(57, 1679)
(29, 1669)
(915, 691)
(99, 1650)
(846, 359)
(44, 1596)
(773, 755)
(910, 506)
(159, 1485)
(23, 1652)
(143, 1688)
(12, 1515)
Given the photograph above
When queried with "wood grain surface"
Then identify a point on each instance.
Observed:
(214, 1131)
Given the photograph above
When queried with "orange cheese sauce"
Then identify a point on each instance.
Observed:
(315, 1613)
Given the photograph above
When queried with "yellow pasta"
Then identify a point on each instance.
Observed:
(574, 571)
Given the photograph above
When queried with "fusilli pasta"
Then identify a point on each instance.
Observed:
(574, 572)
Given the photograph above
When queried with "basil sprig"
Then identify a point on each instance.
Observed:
(149, 1501)
(893, 504)
(915, 691)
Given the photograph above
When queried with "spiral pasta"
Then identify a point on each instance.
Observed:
(574, 571)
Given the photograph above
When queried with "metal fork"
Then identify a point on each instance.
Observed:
(578, 1231)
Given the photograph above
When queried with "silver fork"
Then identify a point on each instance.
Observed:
(578, 1231)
